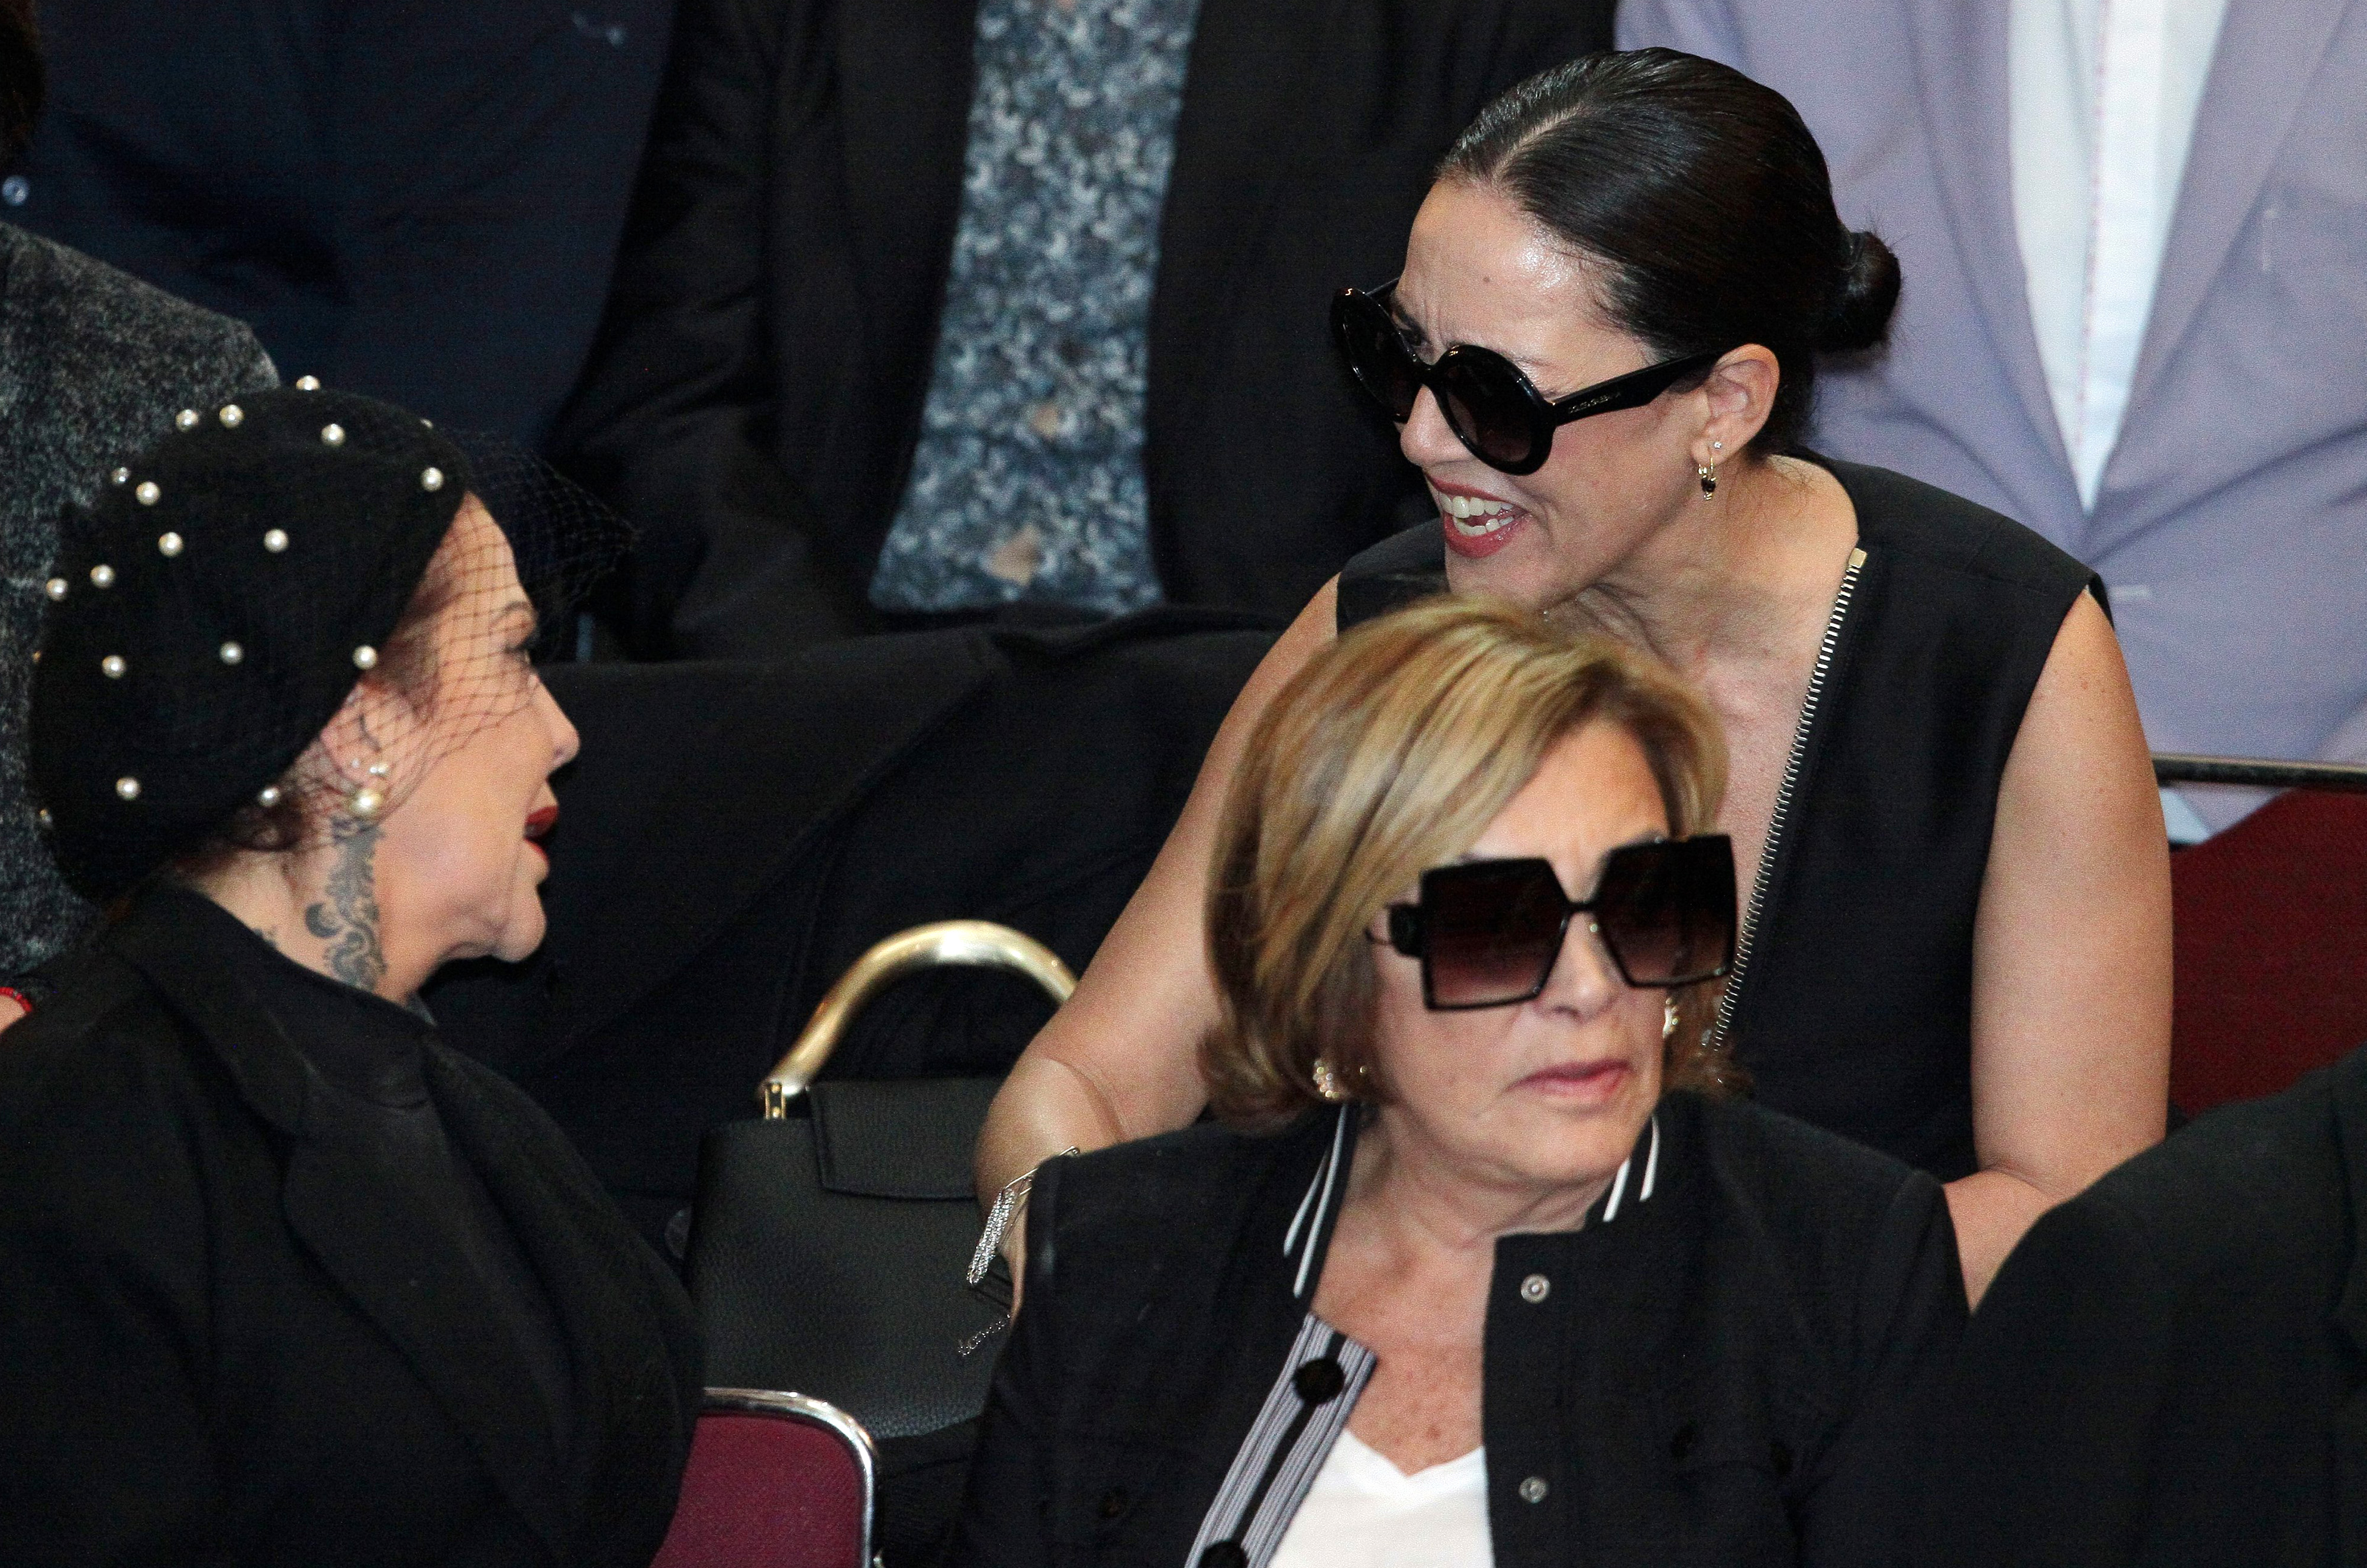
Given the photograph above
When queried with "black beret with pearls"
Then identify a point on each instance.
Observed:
(209, 611)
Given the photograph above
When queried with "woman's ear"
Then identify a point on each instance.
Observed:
(371, 739)
(1740, 393)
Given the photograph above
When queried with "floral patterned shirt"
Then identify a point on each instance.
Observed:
(1027, 480)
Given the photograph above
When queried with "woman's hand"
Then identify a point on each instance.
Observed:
(2071, 953)
(1121, 1058)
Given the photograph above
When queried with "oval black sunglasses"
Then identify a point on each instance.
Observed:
(1494, 410)
(1489, 931)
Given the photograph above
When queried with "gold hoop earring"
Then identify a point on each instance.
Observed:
(1708, 476)
(1671, 1021)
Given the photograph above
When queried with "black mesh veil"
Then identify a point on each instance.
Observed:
(279, 620)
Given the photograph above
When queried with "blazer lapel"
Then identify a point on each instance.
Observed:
(370, 1236)
(1250, 84)
(1961, 68)
(414, 1281)
(905, 76)
(2267, 57)
(600, 1280)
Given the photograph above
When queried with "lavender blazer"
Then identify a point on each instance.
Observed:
(2231, 526)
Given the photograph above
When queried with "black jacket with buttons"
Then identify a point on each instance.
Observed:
(1730, 1375)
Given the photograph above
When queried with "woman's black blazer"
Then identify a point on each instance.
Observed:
(226, 1337)
(1726, 1375)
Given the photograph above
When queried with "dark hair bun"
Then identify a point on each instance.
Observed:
(1860, 318)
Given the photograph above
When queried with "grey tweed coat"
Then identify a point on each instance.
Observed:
(93, 363)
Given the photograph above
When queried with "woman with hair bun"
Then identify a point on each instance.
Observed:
(1601, 354)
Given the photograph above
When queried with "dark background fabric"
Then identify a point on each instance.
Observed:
(757, 393)
(93, 363)
(734, 836)
(234, 1335)
(415, 199)
(1726, 1375)
(1854, 1010)
(2171, 1369)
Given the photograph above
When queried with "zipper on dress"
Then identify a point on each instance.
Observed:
(1744, 940)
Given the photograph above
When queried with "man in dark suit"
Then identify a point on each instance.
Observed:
(418, 199)
(2170, 1368)
(933, 308)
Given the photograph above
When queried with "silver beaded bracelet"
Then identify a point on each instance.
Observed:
(1009, 1203)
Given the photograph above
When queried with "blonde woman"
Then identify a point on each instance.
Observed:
(1479, 1264)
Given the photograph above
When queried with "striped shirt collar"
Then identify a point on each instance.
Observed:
(1308, 1406)
(1310, 1227)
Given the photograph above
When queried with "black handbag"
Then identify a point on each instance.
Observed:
(831, 1237)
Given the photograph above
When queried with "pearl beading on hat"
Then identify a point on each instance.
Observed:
(169, 545)
(233, 416)
(431, 480)
(102, 576)
(231, 653)
(308, 383)
(113, 667)
(276, 540)
(365, 657)
(127, 788)
(332, 435)
(185, 419)
(55, 588)
(148, 493)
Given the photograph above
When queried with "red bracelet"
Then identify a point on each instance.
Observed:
(19, 998)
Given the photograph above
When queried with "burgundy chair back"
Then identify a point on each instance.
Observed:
(775, 1481)
(2272, 943)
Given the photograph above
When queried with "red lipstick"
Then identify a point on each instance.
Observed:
(538, 826)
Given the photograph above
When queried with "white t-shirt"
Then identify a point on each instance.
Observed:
(1363, 1512)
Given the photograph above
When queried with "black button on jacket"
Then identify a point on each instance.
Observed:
(1731, 1374)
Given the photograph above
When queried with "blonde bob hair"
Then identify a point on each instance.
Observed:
(1387, 754)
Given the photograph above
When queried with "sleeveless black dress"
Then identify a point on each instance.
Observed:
(1851, 1001)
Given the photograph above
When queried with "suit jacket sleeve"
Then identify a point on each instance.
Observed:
(2044, 1449)
(1006, 1518)
(1909, 1314)
(673, 419)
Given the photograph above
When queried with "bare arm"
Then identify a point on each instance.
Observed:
(2071, 953)
(1120, 1059)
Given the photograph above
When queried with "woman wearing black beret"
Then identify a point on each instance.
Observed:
(283, 1279)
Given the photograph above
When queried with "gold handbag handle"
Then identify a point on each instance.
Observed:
(980, 943)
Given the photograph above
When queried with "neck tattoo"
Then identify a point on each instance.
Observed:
(347, 920)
